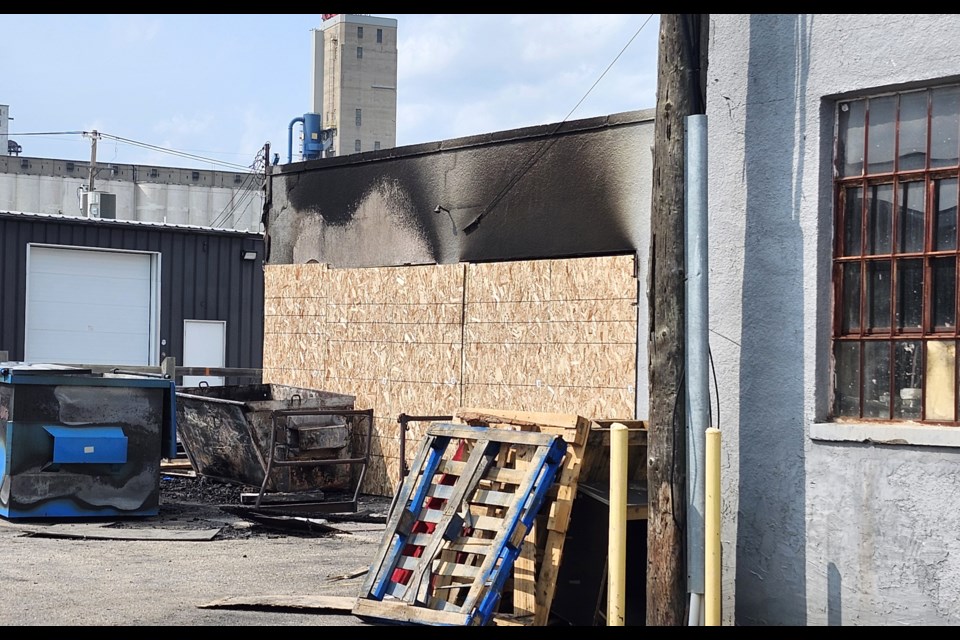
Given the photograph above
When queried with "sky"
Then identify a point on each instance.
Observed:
(219, 86)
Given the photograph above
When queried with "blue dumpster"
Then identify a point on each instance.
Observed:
(78, 444)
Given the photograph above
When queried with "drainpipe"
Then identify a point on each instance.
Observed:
(290, 137)
(697, 353)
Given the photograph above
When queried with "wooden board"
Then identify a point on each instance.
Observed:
(539, 336)
(318, 603)
(100, 532)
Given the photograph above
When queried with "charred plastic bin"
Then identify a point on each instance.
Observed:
(305, 449)
(78, 444)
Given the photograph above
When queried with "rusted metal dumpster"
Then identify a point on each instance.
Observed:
(297, 446)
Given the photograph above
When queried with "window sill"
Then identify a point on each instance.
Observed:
(892, 433)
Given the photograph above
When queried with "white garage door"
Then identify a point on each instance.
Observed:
(91, 306)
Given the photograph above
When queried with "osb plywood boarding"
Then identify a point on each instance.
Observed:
(548, 335)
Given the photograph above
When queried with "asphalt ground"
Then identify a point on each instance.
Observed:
(75, 573)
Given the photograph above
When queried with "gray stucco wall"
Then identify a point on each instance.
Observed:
(815, 531)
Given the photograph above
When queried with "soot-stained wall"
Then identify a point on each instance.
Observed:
(575, 188)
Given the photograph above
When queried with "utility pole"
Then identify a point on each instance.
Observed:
(679, 94)
(94, 136)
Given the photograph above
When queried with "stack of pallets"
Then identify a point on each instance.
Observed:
(459, 523)
(535, 572)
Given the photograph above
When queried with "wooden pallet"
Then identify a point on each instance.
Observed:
(535, 572)
(459, 524)
(535, 582)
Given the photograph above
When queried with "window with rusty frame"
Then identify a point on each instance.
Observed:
(895, 336)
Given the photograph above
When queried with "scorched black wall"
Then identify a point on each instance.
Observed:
(569, 189)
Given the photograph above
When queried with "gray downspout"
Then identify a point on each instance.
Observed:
(697, 352)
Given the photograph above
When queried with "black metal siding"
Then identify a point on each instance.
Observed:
(202, 277)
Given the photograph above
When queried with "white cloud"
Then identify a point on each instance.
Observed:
(554, 38)
(134, 29)
(180, 125)
(433, 47)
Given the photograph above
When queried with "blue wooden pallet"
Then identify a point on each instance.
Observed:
(459, 521)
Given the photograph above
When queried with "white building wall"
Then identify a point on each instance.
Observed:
(143, 201)
(816, 530)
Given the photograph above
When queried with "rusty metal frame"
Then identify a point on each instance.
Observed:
(274, 461)
(929, 176)
(404, 420)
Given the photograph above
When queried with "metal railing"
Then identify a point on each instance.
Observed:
(168, 370)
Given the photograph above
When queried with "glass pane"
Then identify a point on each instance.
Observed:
(910, 294)
(913, 131)
(880, 134)
(912, 210)
(850, 323)
(944, 292)
(847, 391)
(876, 379)
(939, 392)
(878, 295)
(946, 118)
(850, 147)
(852, 221)
(945, 230)
(907, 378)
(880, 219)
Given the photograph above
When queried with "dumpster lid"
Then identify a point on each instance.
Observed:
(19, 369)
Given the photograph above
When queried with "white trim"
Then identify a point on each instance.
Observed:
(139, 223)
(892, 433)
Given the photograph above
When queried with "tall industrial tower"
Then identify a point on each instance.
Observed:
(355, 81)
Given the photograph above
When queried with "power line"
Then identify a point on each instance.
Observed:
(137, 143)
(46, 133)
(629, 42)
(246, 194)
(182, 154)
(546, 144)
(248, 188)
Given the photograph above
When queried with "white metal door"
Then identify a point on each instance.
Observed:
(204, 344)
(91, 306)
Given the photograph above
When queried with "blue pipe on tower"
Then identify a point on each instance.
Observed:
(290, 137)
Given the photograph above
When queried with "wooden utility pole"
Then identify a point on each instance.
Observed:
(678, 95)
(94, 136)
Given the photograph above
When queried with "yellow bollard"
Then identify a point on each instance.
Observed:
(617, 539)
(712, 529)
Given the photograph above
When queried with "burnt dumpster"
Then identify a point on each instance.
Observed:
(78, 444)
(301, 449)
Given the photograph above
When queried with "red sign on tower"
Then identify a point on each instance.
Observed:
(327, 16)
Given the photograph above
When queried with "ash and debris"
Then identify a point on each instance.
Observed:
(203, 502)
(200, 490)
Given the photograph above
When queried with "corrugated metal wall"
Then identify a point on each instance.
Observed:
(203, 277)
